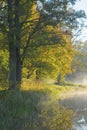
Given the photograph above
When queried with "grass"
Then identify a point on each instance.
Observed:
(34, 107)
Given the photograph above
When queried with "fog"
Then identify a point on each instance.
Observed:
(77, 100)
(77, 78)
(81, 80)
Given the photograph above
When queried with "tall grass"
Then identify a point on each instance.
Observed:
(34, 107)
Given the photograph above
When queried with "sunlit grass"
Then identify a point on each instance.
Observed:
(34, 107)
(52, 89)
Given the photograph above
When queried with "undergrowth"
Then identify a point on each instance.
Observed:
(34, 107)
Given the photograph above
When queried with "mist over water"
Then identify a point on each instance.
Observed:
(77, 101)
(78, 79)
(81, 81)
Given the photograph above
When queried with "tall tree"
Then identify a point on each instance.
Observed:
(12, 44)
(24, 19)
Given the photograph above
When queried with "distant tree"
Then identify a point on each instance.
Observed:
(79, 63)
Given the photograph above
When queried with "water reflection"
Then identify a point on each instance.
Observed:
(81, 127)
(78, 103)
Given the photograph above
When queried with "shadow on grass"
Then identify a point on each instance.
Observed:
(19, 110)
(31, 110)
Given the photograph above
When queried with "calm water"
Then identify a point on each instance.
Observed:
(77, 102)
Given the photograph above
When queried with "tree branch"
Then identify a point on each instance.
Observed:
(36, 29)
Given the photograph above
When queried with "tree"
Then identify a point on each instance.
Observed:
(79, 63)
(49, 61)
(24, 19)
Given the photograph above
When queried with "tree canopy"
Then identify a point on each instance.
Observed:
(31, 27)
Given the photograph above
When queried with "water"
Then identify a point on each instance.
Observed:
(78, 103)
(81, 127)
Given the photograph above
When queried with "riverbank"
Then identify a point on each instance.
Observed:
(77, 101)
(35, 107)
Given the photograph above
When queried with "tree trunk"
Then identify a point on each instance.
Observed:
(18, 68)
(59, 79)
(37, 74)
(18, 43)
(15, 66)
(12, 47)
(12, 66)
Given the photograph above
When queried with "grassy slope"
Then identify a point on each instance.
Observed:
(34, 107)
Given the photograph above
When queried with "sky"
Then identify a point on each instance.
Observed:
(82, 5)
